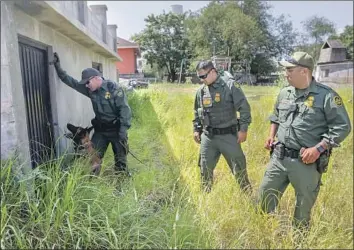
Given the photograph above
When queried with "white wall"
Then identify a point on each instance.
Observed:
(69, 105)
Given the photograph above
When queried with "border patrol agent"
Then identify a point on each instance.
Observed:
(309, 119)
(215, 125)
(113, 114)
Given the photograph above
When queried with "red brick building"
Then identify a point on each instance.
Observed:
(129, 52)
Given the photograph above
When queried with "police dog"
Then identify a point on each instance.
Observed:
(84, 146)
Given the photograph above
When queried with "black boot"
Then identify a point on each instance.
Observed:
(122, 170)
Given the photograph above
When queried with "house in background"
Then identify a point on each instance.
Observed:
(35, 104)
(333, 65)
(129, 52)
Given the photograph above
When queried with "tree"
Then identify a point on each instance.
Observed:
(165, 42)
(262, 65)
(318, 29)
(243, 30)
(222, 29)
(283, 36)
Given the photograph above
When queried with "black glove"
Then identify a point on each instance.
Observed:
(56, 60)
(123, 136)
(125, 145)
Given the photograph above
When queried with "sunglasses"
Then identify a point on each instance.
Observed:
(88, 81)
(205, 75)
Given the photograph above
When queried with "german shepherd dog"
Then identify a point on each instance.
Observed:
(84, 146)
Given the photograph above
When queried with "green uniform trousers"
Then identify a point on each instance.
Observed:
(211, 148)
(304, 178)
(101, 141)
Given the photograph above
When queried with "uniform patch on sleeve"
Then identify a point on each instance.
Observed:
(119, 93)
(338, 101)
(237, 85)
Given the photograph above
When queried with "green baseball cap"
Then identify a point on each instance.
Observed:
(299, 58)
(87, 74)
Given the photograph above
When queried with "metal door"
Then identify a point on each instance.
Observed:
(35, 82)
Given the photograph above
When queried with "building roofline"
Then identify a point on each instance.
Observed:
(74, 29)
(323, 63)
(125, 44)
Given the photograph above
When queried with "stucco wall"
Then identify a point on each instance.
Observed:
(12, 101)
(67, 104)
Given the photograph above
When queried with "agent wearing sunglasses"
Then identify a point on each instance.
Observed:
(110, 105)
(309, 119)
(216, 125)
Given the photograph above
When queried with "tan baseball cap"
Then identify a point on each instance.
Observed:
(299, 58)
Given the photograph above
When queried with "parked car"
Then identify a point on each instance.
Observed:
(137, 84)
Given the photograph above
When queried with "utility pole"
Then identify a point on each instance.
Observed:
(214, 39)
(180, 71)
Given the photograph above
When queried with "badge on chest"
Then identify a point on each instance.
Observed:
(207, 101)
(309, 101)
(107, 95)
(217, 97)
(206, 98)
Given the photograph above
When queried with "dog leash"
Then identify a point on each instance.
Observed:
(128, 150)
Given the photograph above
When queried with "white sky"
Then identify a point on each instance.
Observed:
(129, 15)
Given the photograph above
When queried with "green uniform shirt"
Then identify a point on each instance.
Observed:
(223, 100)
(307, 116)
(109, 101)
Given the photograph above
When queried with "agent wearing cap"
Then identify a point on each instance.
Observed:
(113, 114)
(216, 125)
(309, 119)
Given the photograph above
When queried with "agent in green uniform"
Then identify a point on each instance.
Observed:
(112, 112)
(216, 125)
(309, 119)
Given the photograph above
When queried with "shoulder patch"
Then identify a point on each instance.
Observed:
(237, 85)
(337, 100)
(115, 89)
(119, 92)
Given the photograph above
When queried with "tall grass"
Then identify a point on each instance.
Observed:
(162, 206)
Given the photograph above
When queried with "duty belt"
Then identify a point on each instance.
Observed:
(281, 151)
(101, 126)
(292, 153)
(222, 131)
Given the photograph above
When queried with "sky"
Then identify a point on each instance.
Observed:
(129, 15)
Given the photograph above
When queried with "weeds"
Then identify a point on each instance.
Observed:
(162, 205)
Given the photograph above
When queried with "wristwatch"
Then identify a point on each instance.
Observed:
(320, 149)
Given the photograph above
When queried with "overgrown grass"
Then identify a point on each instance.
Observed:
(162, 206)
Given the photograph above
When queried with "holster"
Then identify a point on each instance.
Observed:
(278, 149)
(322, 161)
(101, 126)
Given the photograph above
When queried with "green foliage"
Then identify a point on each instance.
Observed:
(165, 42)
(223, 26)
(262, 65)
(245, 31)
(317, 30)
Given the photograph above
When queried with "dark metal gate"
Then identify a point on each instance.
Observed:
(35, 82)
